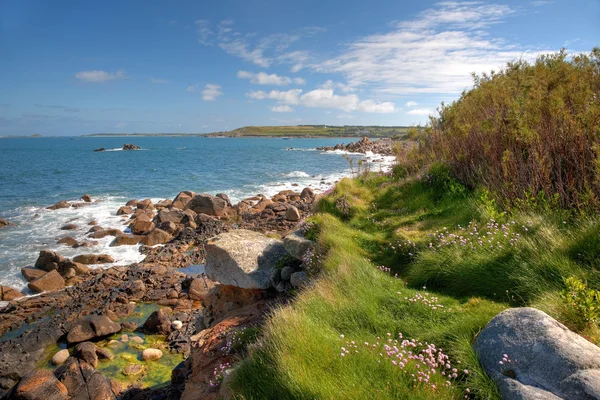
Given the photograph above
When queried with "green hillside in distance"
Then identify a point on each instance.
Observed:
(314, 131)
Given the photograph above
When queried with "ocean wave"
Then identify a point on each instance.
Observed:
(296, 174)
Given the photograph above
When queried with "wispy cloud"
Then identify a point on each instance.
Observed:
(420, 111)
(97, 76)
(204, 32)
(541, 3)
(411, 104)
(211, 92)
(262, 78)
(282, 108)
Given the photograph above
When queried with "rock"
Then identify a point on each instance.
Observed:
(86, 351)
(48, 260)
(141, 227)
(275, 277)
(182, 199)
(92, 327)
(126, 240)
(9, 294)
(68, 240)
(129, 326)
(145, 205)
(133, 369)
(68, 227)
(40, 385)
(93, 259)
(125, 210)
(297, 245)
(176, 325)
(283, 286)
(83, 381)
(86, 244)
(168, 226)
(157, 236)
(151, 354)
(66, 264)
(59, 205)
(131, 147)
(30, 273)
(545, 359)
(224, 197)
(104, 354)
(48, 282)
(174, 216)
(60, 357)
(299, 279)
(207, 204)
(159, 322)
(199, 287)
(131, 203)
(87, 198)
(242, 258)
(307, 194)
(4, 223)
(136, 339)
(286, 273)
(99, 149)
(292, 214)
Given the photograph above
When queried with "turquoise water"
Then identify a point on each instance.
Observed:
(35, 173)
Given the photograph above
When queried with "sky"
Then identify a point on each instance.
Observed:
(81, 67)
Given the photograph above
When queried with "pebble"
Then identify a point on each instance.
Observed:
(60, 357)
(133, 369)
(124, 338)
(151, 354)
(136, 339)
(177, 325)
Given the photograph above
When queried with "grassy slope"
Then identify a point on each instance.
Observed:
(389, 222)
(315, 130)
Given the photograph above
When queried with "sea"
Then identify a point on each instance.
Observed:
(38, 172)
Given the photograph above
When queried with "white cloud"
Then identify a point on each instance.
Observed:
(96, 76)
(420, 111)
(158, 81)
(291, 96)
(262, 78)
(205, 34)
(326, 98)
(434, 53)
(282, 108)
(337, 85)
(211, 92)
(411, 104)
(371, 106)
(540, 3)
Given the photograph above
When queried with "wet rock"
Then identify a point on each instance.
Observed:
(60, 357)
(299, 279)
(131, 203)
(59, 205)
(40, 385)
(125, 210)
(133, 369)
(4, 223)
(48, 260)
(292, 214)
(86, 244)
(131, 147)
(93, 259)
(67, 240)
(9, 294)
(157, 236)
(87, 198)
(141, 227)
(547, 360)
(207, 204)
(68, 227)
(48, 282)
(297, 245)
(151, 354)
(126, 240)
(86, 352)
(242, 258)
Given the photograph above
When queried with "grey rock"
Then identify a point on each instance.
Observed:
(242, 258)
(86, 351)
(547, 360)
(275, 277)
(299, 279)
(297, 245)
(286, 273)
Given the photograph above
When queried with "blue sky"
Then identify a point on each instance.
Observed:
(79, 67)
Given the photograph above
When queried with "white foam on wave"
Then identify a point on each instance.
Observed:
(296, 174)
(37, 228)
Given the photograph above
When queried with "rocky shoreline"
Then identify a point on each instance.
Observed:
(384, 147)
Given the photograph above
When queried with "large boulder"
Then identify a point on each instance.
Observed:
(126, 240)
(159, 322)
(125, 210)
(157, 236)
(182, 199)
(297, 245)
(83, 381)
(530, 355)
(67, 240)
(31, 274)
(141, 227)
(48, 260)
(145, 205)
(164, 215)
(207, 204)
(292, 214)
(242, 258)
(92, 327)
(78, 268)
(48, 282)
(40, 385)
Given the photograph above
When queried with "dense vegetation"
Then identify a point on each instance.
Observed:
(422, 258)
(316, 131)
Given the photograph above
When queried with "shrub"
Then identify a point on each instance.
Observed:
(585, 300)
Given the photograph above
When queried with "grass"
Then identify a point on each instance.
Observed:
(315, 131)
(395, 263)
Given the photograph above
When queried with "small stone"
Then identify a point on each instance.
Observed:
(68, 227)
(151, 354)
(124, 338)
(104, 354)
(114, 343)
(133, 369)
(60, 357)
(136, 339)
(286, 273)
(177, 325)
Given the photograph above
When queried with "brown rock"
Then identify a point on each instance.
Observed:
(86, 243)
(224, 197)
(31, 274)
(182, 199)
(87, 198)
(174, 216)
(48, 260)
(292, 214)
(40, 385)
(133, 369)
(125, 210)
(131, 203)
(4, 223)
(86, 351)
(168, 226)
(93, 259)
(126, 240)
(199, 287)
(50, 281)
(307, 194)
(68, 240)
(59, 205)
(9, 294)
(157, 236)
(145, 205)
(141, 227)
(207, 204)
(159, 322)
(80, 269)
